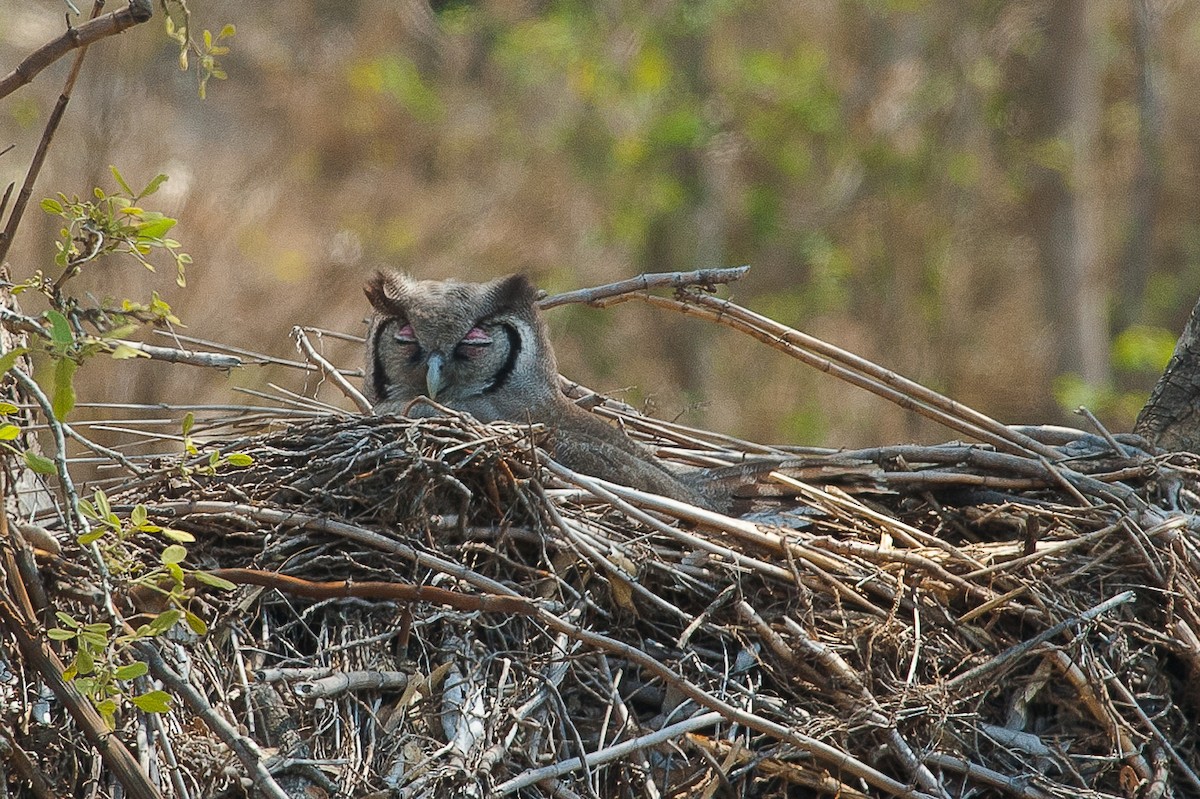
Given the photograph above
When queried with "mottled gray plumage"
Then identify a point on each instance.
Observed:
(482, 348)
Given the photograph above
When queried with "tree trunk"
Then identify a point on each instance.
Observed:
(1171, 417)
(1068, 211)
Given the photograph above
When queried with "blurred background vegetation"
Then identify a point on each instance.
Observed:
(994, 197)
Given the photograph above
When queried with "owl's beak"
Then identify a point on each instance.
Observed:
(433, 375)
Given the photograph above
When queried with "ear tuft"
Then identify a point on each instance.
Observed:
(382, 292)
(515, 290)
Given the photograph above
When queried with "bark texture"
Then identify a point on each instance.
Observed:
(1171, 417)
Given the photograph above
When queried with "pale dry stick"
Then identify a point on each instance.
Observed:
(1044, 550)
(1108, 437)
(163, 739)
(622, 497)
(110, 454)
(579, 539)
(210, 360)
(707, 278)
(1119, 734)
(351, 532)
(1021, 649)
(910, 388)
(843, 674)
(77, 523)
(338, 334)
(883, 556)
(614, 752)
(137, 12)
(344, 682)
(329, 370)
(257, 358)
(1014, 786)
(312, 402)
(247, 750)
(832, 757)
(623, 713)
(1127, 696)
(851, 368)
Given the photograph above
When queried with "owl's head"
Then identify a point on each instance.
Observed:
(476, 347)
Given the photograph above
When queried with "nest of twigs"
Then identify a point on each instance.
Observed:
(428, 608)
(346, 605)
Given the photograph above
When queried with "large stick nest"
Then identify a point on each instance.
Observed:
(949, 628)
(378, 606)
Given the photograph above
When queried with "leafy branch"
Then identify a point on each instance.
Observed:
(103, 658)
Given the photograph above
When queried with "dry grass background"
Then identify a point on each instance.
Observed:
(298, 176)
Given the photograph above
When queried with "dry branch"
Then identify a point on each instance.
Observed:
(137, 12)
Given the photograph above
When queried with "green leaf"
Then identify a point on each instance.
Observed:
(153, 701)
(102, 506)
(124, 352)
(239, 459)
(189, 421)
(7, 408)
(64, 388)
(197, 624)
(59, 634)
(176, 573)
(121, 331)
(9, 432)
(214, 581)
(138, 515)
(120, 180)
(153, 185)
(174, 554)
(60, 330)
(94, 535)
(85, 662)
(164, 621)
(154, 228)
(132, 671)
(226, 32)
(108, 711)
(39, 464)
(180, 536)
(68, 620)
(95, 641)
(9, 359)
(52, 206)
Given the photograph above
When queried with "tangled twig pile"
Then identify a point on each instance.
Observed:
(425, 609)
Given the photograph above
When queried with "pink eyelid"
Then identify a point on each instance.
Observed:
(477, 336)
(406, 334)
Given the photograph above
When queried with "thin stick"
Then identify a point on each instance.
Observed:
(1015, 652)
(137, 12)
(329, 370)
(245, 748)
(613, 752)
(212, 360)
(137, 8)
(705, 278)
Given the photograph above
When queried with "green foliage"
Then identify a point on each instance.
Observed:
(214, 460)
(179, 29)
(114, 223)
(103, 661)
(1141, 348)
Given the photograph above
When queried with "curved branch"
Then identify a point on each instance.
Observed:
(137, 12)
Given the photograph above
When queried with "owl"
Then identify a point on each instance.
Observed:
(482, 348)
